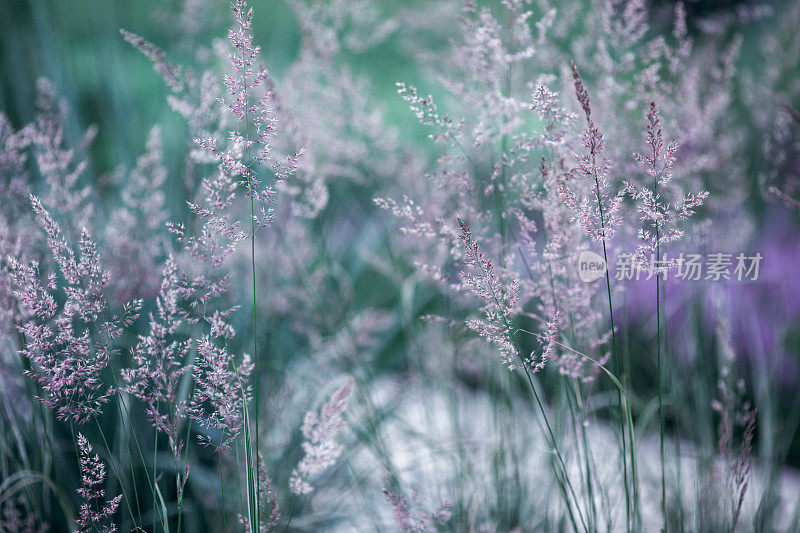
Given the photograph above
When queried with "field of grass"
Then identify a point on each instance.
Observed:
(437, 265)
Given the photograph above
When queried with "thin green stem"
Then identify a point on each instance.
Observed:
(188, 422)
(185, 475)
(222, 493)
(291, 513)
(627, 405)
(155, 480)
(576, 391)
(114, 470)
(628, 506)
(252, 479)
(661, 424)
(126, 416)
(553, 443)
(252, 476)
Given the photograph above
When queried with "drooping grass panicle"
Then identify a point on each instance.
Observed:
(500, 298)
(194, 95)
(411, 517)
(329, 110)
(14, 174)
(320, 447)
(62, 166)
(565, 304)
(545, 103)
(447, 131)
(171, 73)
(135, 232)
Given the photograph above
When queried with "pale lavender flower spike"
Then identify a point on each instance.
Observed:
(248, 78)
(412, 518)
(66, 360)
(95, 513)
(320, 446)
(159, 360)
(597, 210)
(62, 166)
(171, 73)
(656, 213)
(501, 298)
(220, 395)
(136, 227)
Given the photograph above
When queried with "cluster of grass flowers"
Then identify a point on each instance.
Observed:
(294, 312)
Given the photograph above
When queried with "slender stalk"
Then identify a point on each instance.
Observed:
(252, 480)
(252, 504)
(155, 480)
(252, 475)
(576, 391)
(291, 513)
(187, 443)
(661, 428)
(239, 469)
(126, 416)
(255, 327)
(222, 494)
(113, 468)
(594, 142)
(554, 445)
(573, 395)
(188, 422)
(615, 355)
(45, 416)
(628, 419)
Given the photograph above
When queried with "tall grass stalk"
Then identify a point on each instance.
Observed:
(115, 470)
(125, 415)
(252, 479)
(251, 467)
(630, 507)
(579, 428)
(559, 465)
(627, 422)
(562, 476)
(661, 423)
